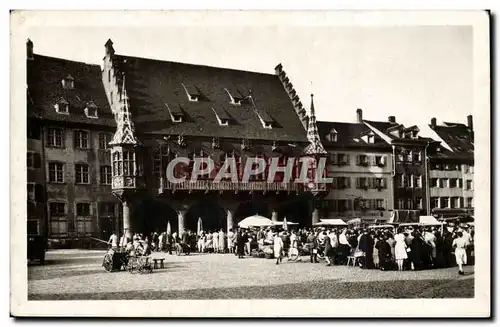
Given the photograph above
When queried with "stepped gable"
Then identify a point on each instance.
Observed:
(195, 96)
(45, 89)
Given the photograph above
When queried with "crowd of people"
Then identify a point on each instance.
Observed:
(400, 248)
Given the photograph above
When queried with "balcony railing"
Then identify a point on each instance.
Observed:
(210, 185)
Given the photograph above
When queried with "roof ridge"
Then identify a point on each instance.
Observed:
(69, 60)
(194, 65)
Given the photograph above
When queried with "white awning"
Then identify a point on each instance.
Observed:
(428, 221)
(255, 221)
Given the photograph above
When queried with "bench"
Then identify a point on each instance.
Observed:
(156, 261)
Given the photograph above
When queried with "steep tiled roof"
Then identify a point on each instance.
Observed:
(45, 89)
(387, 127)
(347, 134)
(458, 137)
(153, 84)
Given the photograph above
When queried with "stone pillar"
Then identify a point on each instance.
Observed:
(274, 215)
(181, 220)
(230, 219)
(315, 216)
(127, 223)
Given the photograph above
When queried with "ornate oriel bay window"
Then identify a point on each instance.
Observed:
(126, 169)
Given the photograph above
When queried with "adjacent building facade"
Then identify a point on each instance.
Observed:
(361, 167)
(451, 169)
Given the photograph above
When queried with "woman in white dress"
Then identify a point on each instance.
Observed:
(460, 244)
(215, 237)
(400, 249)
(230, 241)
(278, 248)
(222, 243)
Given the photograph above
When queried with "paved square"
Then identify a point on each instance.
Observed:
(78, 275)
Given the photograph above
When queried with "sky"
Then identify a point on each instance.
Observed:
(411, 72)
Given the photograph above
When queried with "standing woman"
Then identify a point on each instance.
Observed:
(460, 244)
(400, 249)
(222, 241)
(278, 248)
(215, 241)
(230, 240)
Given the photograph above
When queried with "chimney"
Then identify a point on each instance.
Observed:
(433, 122)
(392, 119)
(359, 115)
(469, 122)
(29, 50)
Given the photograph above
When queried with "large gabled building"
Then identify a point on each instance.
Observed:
(100, 141)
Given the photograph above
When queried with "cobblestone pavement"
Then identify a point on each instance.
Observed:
(78, 274)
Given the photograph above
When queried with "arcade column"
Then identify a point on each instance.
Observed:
(127, 222)
(181, 220)
(230, 219)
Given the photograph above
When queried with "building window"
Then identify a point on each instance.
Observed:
(332, 136)
(445, 202)
(434, 182)
(469, 185)
(106, 209)
(31, 192)
(371, 139)
(57, 208)
(453, 182)
(106, 175)
(380, 204)
(409, 156)
(470, 202)
(81, 174)
(362, 160)
(399, 180)
(104, 139)
(416, 156)
(84, 226)
(362, 183)
(58, 226)
(417, 181)
(401, 157)
(454, 202)
(91, 110)
(434, 202)
(407, 181)
(56, 172)
(418, 203)
(409, 204)
(128, 163)
(55, 137)
(333, 159)
(83, 209)
(33, 160)
(401, 204)
(443, 182)
(343, 159)
(81, 139)
(380, 161)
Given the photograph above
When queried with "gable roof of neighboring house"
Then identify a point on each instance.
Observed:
(458, 137)
(348, 135)
(45, 89)
(153, 86)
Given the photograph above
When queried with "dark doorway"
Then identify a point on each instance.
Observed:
(297, 211)
(153, 216)
(210, 212)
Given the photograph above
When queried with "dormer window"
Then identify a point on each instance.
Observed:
(62, 106)
(414, 134)
(371, 139)
(332, 136)
(192, 92)
(222, 116)
(235, 97)
(68, 82)
(91, 110)
(268, 125)
(176, 113)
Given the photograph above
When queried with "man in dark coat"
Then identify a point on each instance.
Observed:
(384, 253)
(366, 244)
(313, 247)
(241, 240)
